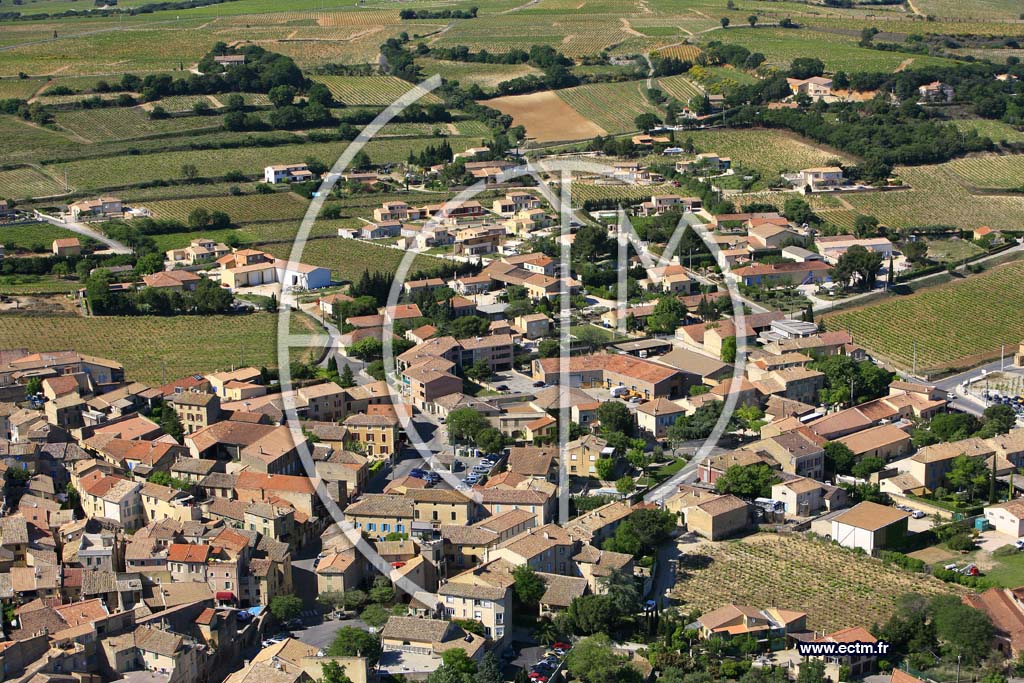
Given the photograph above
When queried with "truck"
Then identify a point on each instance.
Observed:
(618, 392)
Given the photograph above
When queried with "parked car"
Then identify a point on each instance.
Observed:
(1019, 544)
(561, 646)
(417, 473)
(917, 514)
(538, 383)
(502, 387)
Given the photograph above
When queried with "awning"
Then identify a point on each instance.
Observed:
(225, 595)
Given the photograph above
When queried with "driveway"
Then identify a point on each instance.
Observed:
(85, 231)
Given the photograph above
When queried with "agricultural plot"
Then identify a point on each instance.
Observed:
(241, 209)
(26, 182)
(546, 116)
(349, 259)
(955, 325)
(575, 34)
(34, 237)
(120, 123)
(36, 284)
(369, 90)
(20, 88)
(997, 131)
(938, 197)
(686, 53)
(593, 102)
(798, 574)
(1000, 172)
(156, 349)
(132, 49)
(679, 87)
(767, 151)
(23, 141)
(838, 52)
(183, 103)
(487, 76)
(984, 10)
(110, 172)
(582, 192)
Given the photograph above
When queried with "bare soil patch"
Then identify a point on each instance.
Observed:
(546, 116)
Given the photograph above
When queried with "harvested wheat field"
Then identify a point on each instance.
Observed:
(546, 117)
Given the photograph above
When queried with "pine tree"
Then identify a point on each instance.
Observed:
(346, 378)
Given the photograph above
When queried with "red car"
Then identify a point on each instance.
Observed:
(561, 646)
(538, 677)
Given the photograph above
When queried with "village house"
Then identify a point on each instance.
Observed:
(815, 87)
(832, 248)
(818, 179)
(101, 208)
(251, 268)
(936, 92)
(287, 173)
(200, 250)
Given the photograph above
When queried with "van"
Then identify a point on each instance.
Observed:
(619, 391)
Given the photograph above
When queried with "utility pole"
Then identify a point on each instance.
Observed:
(1002, 352)
(915, 358)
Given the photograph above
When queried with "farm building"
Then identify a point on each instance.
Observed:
(67, 246)
(1007, 517)
(870, 526)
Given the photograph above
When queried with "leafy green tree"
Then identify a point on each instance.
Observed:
(865, 226)
(333, 673)
(162, 478)
(666, 316)
(724, 21)
(590, 614)
(605, 468)
(997, 419)
(620, 588)
(646, 121)
(625, 485)
(728, 353)
(749, 417)
(33, 386)
(480, 371)
(962, 629)
(285, 607)
(752, 20)
(615, 417)
(345, 378)
(548, 348)
(355, 642)
(464, 424)
(752, 481)
(281, 96)
(867, 466)
(382, 591)
(811, 671)
(839, 459)
(529, 587)
(170, 423)
(366, 349)
(489, 440)
(858, 267)
(488, 671)
(592, 660)
(375, 615)
(968, 474)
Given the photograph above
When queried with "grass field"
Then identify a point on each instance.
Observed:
(952, 250)
(153, 349)
(798, 574)
(241, 209)
(26, 182)
(374, 90)
(594, 102)
(954, 325)
(348, 259)
(36, 284)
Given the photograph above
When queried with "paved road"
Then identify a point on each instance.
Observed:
(86, 231)
(952, 384)
(686, 475)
